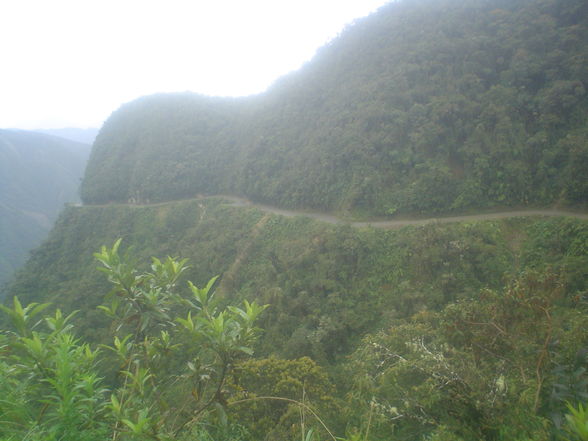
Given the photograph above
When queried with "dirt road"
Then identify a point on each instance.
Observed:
(395, 223)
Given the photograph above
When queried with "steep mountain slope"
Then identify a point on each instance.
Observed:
(337, 278)
(335, 291)
(424, 106)
(453, 331)
(38, 174)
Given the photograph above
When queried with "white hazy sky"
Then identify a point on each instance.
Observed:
(70, 63)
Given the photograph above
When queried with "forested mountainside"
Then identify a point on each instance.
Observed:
(424, 106)
(432, 331)
(38, 175)
(457, 331)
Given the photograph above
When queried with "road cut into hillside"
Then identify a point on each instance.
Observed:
(237, 201)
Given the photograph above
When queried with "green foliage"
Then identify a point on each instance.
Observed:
(479, 369)
(275, 397)
(167, 379)
(49, 381)
(21, 317)
(154, 397)
(577, 420)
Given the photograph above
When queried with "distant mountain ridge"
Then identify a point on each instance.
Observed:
(85, 136)
(425, 106)
(39, 173)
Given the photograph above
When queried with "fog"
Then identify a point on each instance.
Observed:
(70, 63)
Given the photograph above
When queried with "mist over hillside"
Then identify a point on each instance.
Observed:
(38, 174)
(84, 136)
(425, 106)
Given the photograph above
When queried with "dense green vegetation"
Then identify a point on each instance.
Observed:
(442, 332)
(38, 175)
(50, 382)
(353, 301)
(427, 105)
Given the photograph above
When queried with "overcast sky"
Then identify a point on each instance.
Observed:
(70, 63)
